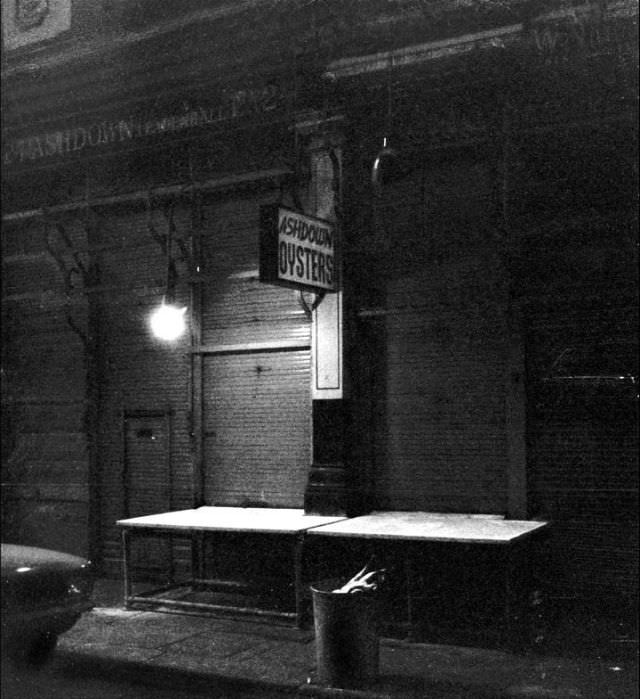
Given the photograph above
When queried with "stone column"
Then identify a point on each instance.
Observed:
(326, 491)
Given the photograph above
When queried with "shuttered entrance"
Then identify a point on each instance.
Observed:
(147, 440)
(256, 404)
(256, 428)
(583, 420)
(439, 338)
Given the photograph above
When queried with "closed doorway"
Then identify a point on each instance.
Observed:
(147, 486)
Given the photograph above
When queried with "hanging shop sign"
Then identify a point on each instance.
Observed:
(297, 250)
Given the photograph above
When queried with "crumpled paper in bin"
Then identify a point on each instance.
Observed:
(364, 581)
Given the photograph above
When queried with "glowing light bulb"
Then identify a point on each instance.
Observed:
(168, 322)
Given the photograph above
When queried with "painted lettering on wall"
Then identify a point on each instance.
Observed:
(297, 250)
(101, 133)
(578, 30)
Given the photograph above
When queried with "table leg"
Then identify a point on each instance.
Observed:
(200, 549)
(409, 577)
(126, 556)
(297, 572)
(508, 592)
(197, 557)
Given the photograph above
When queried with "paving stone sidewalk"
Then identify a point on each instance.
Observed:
(282, 659)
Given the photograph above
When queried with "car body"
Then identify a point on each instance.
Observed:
(44, 593)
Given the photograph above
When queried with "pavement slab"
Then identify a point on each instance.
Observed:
(281, 660)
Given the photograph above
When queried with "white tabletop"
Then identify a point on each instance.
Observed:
(429, 526)
(245, 519)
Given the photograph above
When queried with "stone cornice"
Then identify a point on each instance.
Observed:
(497, 38)
(45, 58)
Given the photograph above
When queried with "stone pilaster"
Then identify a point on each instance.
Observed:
(326, 491)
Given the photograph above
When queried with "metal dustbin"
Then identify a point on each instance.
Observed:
(346, 630)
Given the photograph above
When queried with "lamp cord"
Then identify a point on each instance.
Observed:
(169, 283)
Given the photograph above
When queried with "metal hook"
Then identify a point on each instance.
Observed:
(308, 309)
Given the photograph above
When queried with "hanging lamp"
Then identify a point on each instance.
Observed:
(168, 321)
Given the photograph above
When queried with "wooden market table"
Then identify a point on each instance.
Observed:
(198, 523)
(419, 529)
